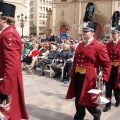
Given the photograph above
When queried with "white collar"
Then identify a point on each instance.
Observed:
(4, 28)
(88, 41)
(116, 41)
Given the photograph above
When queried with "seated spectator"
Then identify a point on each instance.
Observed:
(43, 38)
(63, 56)
(68, 65)
(30, 56)
(40, 46)
(24, 51)
(53, 54)
(29, 44)
(60, 46)
(52, 38)
(45, 50)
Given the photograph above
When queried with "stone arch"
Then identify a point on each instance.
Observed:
(60, 24)
(101, 22)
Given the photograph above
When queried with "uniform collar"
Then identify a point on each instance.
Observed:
(115, 42)
(88, 41)
(4, 28)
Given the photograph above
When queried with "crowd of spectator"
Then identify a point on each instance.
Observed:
(50, 52)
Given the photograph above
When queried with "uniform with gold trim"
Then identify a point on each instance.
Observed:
(88, 56)
(113, 49)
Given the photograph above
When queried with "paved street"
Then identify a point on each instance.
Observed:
(45, 99)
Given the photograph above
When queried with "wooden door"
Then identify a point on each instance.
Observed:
(63, 29)
(98, 31)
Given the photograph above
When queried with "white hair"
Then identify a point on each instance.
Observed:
(54, 47)
(66, 45)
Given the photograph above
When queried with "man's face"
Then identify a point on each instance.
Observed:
(87, 35)
(115, 36)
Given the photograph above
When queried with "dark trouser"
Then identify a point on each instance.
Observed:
(56, 67)
(111, 86)
(41, 64)
(36, 65)
(66, 73)
(80, 109)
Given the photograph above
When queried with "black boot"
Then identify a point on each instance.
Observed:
(106, 108)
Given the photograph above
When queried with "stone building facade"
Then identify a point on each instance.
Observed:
(22, 7)
(67, 16)
(38, 15)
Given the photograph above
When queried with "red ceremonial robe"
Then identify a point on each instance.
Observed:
(10, 71)
(89, 57)
(114, 54)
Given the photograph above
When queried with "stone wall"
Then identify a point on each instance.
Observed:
(71, 13)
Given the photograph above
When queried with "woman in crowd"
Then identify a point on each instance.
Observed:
(30, 56)
(24, 51)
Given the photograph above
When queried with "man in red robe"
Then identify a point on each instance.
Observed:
(113, 49)
(11, 83)
(88, 56)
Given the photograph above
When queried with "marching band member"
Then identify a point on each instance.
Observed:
(88, 55)
(113, 49)
(11, 83)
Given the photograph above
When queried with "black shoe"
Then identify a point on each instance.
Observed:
(77, 117)
(117, 103)
(42, 74)
(106, 109)
(62, 80)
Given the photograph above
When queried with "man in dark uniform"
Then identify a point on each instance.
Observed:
(88, 56)
(11, 83)
(113, 49)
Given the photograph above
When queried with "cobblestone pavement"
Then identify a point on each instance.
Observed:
(45, 99)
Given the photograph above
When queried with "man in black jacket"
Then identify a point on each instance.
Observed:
(68, 65)
(63, 56)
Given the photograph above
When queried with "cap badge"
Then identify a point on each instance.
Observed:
(86, 24)
(113, 28)
(0, 13)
